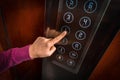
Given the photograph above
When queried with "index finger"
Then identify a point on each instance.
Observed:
(58, 38)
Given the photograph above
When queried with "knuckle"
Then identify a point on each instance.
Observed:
(48, 54)
(39, 37)
(55, 48)
(48, 44)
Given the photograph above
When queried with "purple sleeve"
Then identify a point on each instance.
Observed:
(13, 57)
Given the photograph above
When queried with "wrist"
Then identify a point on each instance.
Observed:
(31, 52)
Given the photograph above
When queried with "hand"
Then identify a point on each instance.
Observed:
(51, 33)
(44, 47)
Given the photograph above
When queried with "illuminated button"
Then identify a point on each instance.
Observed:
(68, 17)
(70, 62)
(65, 28)
(90, 6)
(85, 22)
(71, 4)
(76, 46)
(59, 57)
(73, 55)
(80, 35)
(64, 41)
(61, 50)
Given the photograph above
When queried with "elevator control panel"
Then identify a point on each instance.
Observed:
(81, 19)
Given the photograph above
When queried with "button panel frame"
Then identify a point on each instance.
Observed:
(96, 18)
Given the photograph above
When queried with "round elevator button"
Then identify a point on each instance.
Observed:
(85, 22)
(70, 62)
(90, 6)
(80, 35)
(71, 4)
(64, 41)
(76, 46)
(68, 17)
(61, 50)
(65, 28)
(59, 57)
(73, 55)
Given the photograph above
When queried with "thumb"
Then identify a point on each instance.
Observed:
(52, 50)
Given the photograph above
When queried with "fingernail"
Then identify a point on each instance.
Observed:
(65, 32)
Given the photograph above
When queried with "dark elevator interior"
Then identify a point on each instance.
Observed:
(22, 21)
